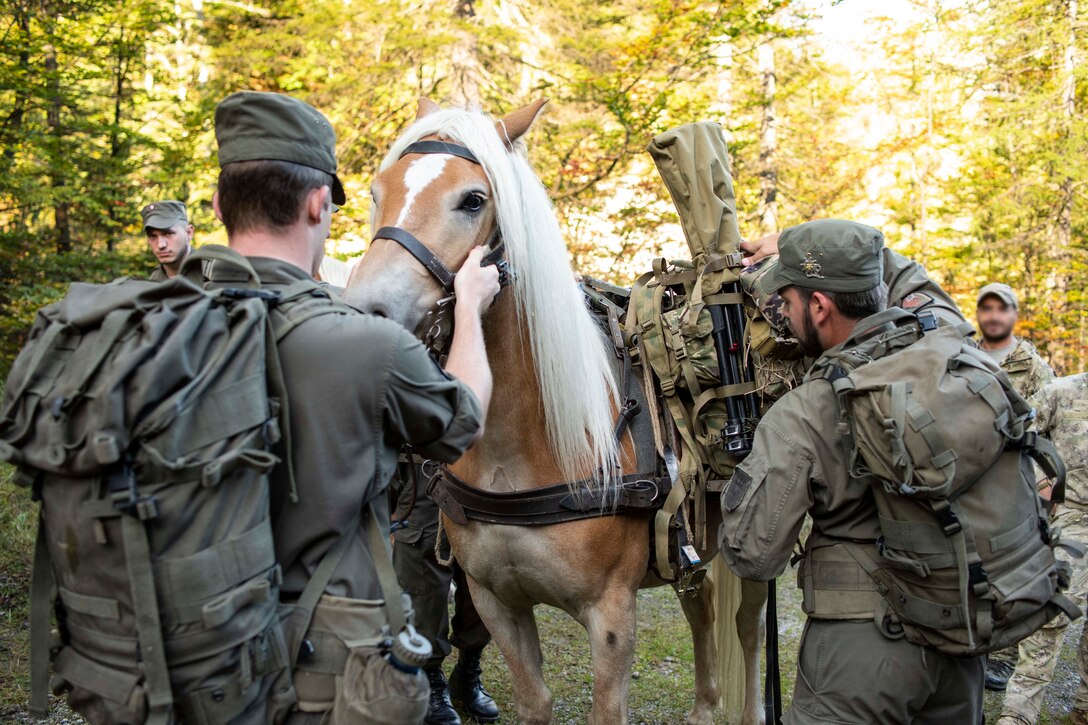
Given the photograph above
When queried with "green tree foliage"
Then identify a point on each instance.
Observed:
(960, 132)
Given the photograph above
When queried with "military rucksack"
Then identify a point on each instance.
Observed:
(965, 561)
(143, 416)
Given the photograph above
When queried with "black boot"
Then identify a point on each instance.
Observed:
(997, 675)
(441, 710)
(467, 690)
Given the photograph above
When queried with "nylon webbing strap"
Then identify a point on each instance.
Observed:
(382, 555)
(320, 579)
(42, 593)
(664, 518)
(148, 625)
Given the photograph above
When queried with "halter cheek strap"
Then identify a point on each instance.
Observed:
(420, 251)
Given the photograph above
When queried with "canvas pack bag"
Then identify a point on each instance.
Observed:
(140, 415)
(965, 561)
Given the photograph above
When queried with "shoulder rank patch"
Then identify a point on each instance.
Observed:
(915, 301)
(738, 486)
(810, 267)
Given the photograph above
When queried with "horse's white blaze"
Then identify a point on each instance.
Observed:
(421, 174)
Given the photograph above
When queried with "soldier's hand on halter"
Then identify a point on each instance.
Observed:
(474, 285)
(759, 248)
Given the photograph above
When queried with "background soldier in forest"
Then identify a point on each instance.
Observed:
(997, 313)
(831, 277)
(169, 236)
(1062, 415)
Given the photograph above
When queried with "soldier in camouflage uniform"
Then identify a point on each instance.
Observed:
(998, 309)
(1062, 408)
(997, 312)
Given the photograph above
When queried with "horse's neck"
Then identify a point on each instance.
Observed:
(514, 453)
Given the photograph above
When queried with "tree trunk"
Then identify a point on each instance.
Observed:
(62, 226)
(1062, 256)
(465, 63)
(116, 147)
(768, 144)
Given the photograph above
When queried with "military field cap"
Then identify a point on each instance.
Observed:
(164, 214)
(832, 255)
(253, 126)
(1001, 291)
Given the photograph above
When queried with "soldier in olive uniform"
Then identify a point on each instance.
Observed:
(358, 386)
(997, 313)
(1062, 415)
(850, 670)
(429, 584)
(169, 236)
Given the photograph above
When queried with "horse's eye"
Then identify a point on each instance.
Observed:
(472, 202)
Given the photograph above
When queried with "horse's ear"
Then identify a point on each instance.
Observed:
(513, 125)
(426, 107)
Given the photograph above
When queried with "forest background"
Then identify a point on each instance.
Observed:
(955, 126)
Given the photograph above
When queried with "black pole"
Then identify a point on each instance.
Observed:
(772, 704)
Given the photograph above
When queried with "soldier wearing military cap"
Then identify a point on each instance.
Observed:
(831, 277)
(169, 236)
(998, 310)
(997, 313)
(358, 387)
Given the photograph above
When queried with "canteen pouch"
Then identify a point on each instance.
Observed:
(373, 691)
(338, 625)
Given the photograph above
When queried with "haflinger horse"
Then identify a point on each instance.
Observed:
(457, 179)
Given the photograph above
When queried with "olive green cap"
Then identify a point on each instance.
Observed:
(254, 126)
(164, 214)
(831, 255)
(1001, 291)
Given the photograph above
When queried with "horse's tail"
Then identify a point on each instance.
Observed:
(725, 591)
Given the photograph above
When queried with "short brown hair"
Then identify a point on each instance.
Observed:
(265, 194)
(852, 305)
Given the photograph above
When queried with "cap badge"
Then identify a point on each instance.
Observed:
(810, 267)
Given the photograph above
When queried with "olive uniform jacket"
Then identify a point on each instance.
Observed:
(358, 388)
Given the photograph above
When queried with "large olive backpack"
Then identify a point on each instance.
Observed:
(142, 417)
(965, 561)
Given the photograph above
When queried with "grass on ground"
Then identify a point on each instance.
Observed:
(661, 691)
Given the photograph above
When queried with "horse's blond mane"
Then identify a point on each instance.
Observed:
(572, 363)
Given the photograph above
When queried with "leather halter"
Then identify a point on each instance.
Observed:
(420, 251)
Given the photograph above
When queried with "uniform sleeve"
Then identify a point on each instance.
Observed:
(426, 408)
(912, 289)
(765, 503)
(1044, 402)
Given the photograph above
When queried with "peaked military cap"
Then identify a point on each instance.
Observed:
(255, 126)
(831, 255)
(164, 214)
(1001, 291)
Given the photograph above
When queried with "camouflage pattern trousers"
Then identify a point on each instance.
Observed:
(1038, 654)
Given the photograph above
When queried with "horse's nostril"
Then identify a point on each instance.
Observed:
(379, 311)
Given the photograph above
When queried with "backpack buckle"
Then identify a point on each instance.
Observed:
(122, 491)
(927, 321)
(949, 522)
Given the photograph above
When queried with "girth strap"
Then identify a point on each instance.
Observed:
(634, 493)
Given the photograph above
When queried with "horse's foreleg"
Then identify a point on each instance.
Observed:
(610, 622)
(751, 628)
(699, 611)
(515, 634)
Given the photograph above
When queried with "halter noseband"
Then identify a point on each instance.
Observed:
(420, 251)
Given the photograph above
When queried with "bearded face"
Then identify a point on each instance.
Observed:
(995, 319)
